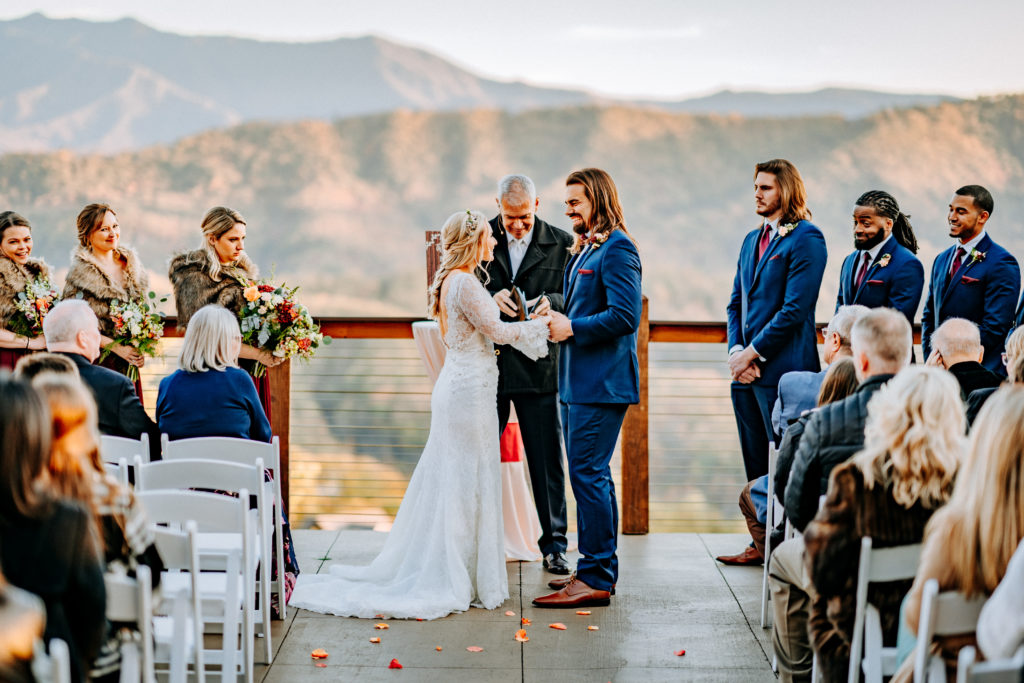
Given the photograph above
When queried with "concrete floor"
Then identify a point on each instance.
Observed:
(671, 596)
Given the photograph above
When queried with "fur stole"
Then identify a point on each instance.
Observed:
(194, 288)
(13, 279)
(87, 277)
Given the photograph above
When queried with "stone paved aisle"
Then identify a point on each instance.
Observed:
(672, 595)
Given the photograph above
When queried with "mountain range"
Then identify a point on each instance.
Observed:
(340, 206)
(114, 86)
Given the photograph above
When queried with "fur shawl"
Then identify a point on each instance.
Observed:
(13, 279)
(87, 277)
(194, 288)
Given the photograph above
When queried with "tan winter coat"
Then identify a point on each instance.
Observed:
(86, 277)
(194, 288)
(13, 279)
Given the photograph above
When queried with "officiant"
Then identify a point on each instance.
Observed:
(525, 277)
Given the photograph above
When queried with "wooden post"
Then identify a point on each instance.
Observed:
(635, 480)
(280, 414)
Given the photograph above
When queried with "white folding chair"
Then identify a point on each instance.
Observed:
(224, 595)
(131, 600)
(877, 565)
(949, 613)
(113, 448)
(178, 631)
(54, 667)
(992, 671)
(773, 456)
(229, 477)
(246, 452)
(118, 470)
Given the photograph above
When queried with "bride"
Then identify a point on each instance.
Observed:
(445, 552)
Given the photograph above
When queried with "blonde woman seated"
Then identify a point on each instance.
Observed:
(888, 491)
(968, 544)
(210, 395)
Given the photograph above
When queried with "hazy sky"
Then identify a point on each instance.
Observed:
(659, 48)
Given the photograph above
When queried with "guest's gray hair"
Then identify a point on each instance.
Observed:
(842, 322)
(66, 319)
(957, 337)
(516, 186)
(884, 336)
(208, 340)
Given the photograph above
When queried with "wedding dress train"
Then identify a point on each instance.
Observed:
(445, 552)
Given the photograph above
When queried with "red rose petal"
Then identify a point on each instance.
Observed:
(394, 664)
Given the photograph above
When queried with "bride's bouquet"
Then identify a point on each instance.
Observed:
(273, 320)
(138, 325)
(31, 306)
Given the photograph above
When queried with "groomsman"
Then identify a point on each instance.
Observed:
(771, 311)
(598, 376)
(883, 271)
(531, 255)
(975, 279)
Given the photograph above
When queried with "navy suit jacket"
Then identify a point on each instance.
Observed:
(772, 303)
(898, 284)
(598, 364)
(984, 291)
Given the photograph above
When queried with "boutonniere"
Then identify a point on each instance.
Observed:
(786, 229)
(884, 261)
(976, 256)
(598, 239)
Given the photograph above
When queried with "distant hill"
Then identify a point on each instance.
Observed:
(121, 85)
(341, 207)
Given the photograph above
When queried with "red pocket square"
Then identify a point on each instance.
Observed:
(969, 280)
(585, 271)
(876, 282)
(775, 257)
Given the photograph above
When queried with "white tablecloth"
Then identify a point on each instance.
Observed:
(522, 528)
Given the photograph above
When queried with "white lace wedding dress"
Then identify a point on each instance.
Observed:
(446, 550)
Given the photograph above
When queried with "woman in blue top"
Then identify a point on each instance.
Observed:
(210, 395)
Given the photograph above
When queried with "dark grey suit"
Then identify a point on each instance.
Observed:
(532, 386)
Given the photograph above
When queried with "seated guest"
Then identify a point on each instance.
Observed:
(1013, 361)
(210, 395)
(48, 546)
(969, 542)
(71, 330)
(956, 346)
(881, 343)
(840, 382)
(1001, 624)
(912, 446)
(29, 367)
(22, 617)
(77, 473)
(798, 390)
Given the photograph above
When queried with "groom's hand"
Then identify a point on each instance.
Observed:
(505, 304)
(559, 329)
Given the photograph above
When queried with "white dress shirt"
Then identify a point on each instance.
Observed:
(968, 248)
(517, 250)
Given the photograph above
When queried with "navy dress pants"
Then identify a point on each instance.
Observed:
(752, 404)
(591, 431)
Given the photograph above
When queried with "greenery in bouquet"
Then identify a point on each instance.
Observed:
(273, 320)
(31, 306)
(136, 324)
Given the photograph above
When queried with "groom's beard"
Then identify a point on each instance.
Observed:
(580, 229)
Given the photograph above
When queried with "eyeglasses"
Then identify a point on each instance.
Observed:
(1006, 361)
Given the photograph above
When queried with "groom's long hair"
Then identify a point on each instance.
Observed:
(600, 190)
(792, 194)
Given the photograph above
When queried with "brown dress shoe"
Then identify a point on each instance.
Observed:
(749, 556)
(574, 594)
(564, 581)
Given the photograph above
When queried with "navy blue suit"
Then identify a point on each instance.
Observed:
(772, 308)
(984, 291)
(598, 378)
(897, 284)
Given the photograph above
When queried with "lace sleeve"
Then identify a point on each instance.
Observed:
(529, 337)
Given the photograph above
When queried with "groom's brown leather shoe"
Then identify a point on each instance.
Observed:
(574, 594)
(562, 583)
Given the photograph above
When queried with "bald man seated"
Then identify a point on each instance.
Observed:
(956, 346)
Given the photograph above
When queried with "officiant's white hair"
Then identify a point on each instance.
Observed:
(209, 340)
(516, 186)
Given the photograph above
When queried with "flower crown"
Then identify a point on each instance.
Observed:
(471, 220)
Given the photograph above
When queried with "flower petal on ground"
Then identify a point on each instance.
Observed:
(525, 622)
(381, 627)
(438, 648)
(680, 653)
(584, 612)
(510, 613)
(319, 653)
(394, 664)
(474, 648)
(374, 640)
(521, 635)
(558, 626)
(593, 628)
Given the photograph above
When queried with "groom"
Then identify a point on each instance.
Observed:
(598, 375)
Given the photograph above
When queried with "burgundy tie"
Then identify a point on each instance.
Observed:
(766, 238)
(863, 270)
(958, 261)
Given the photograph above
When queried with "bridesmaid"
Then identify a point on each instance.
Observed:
(216, 273)
(16, 270)
(101, 271)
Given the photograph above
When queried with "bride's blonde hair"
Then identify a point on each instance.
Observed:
(460, 246)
